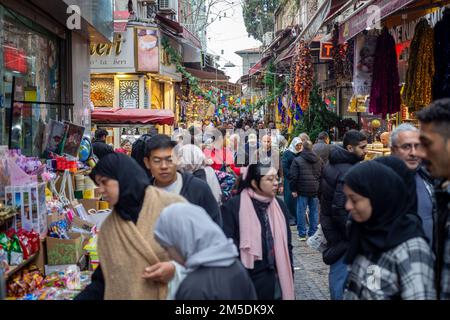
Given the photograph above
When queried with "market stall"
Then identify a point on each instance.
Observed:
(50, 215)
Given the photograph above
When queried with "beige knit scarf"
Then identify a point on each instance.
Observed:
(126, 249)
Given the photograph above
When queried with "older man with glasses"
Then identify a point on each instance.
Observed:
(405, 144)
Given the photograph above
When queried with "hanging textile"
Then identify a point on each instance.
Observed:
(442, 57)
(385, 91)
(419, 77)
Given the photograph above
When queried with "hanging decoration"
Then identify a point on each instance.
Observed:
(419, 77)
(342, 63)
(385, 91)
(442, 57)
(303, 75)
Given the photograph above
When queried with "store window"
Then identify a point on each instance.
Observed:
(157, 101)
(31, 54)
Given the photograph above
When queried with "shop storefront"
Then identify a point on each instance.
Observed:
(132, 73)
(32, 54)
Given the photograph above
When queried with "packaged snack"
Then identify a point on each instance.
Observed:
(5, 241)
(72, 278)
(55, 280)
(33, 239)
(25, 245)
(15, 252)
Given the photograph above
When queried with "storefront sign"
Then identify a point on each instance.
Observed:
(147, 40)
(15, 59)
(115, 57)
(166, 68)
(129, 103)
(372, 13)
(326, 49)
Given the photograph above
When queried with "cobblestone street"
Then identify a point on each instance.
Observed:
(311, 274)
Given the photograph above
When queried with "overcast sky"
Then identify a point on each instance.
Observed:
(229, 34)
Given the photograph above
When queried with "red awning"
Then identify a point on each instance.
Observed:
(258, 66)
(133, 116)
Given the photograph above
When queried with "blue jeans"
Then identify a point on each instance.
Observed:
(337, 278)
(302, 204)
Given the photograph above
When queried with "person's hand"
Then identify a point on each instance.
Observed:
(160, 272)
(294, 194)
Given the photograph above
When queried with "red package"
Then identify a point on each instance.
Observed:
(25, 245)
(34, 241)
(11, 232)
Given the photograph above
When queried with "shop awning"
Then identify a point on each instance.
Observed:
(132, 116)
(258, 66)
(286, 54)
(206, 75)
(359, 20)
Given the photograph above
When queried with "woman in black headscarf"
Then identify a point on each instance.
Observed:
(126, 186)
(389, 257)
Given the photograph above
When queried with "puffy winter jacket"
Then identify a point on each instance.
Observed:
(333, 216)
(304, 175)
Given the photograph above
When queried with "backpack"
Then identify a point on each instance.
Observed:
(227, 183)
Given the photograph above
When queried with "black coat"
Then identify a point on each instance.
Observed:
(101, 149)
(304, 175)
(217, 283)
(333, 216)
(262, 275)
(322, 150)
(198, 192)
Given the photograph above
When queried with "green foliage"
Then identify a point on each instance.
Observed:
(175, 58)
(317, 118)
(259, 16)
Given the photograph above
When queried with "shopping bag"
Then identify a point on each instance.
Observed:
(317, 241)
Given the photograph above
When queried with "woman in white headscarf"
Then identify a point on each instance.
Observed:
(213, 269)
(191, 159)
(288, 156)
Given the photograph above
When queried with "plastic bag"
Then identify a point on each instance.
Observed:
(317, 241)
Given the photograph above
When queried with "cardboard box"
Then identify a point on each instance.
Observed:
(65, 251)
(41, 258)
(89, 204)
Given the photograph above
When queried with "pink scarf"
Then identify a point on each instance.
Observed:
(250, 244)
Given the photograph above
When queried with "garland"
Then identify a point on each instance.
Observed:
(303, 82)
(175, 58)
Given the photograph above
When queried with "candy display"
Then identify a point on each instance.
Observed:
(25, 282)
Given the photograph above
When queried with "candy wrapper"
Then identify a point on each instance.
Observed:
(59, 230)
(15, 251)
(72, 278)
(55, 280)
(5, 241)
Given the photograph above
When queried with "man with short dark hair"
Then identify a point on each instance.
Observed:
(435, 143)
(322, 146)
(333, 215)
(161, 162)
(99, 146)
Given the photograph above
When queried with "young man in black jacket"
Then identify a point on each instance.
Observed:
(159, 159)
(333, 216)
(99, 146)
(304, 180)
(435, 149)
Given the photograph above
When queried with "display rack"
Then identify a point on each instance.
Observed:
(14, 269)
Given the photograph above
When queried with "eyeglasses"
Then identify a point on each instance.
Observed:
(409, 146)
(159, 161)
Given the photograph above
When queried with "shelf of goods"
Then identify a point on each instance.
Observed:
(13, 269)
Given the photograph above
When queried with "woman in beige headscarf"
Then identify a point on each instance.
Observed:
(191, 159)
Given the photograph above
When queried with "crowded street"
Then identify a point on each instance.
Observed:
(219, 150)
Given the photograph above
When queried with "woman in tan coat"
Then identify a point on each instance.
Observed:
(132, 264)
